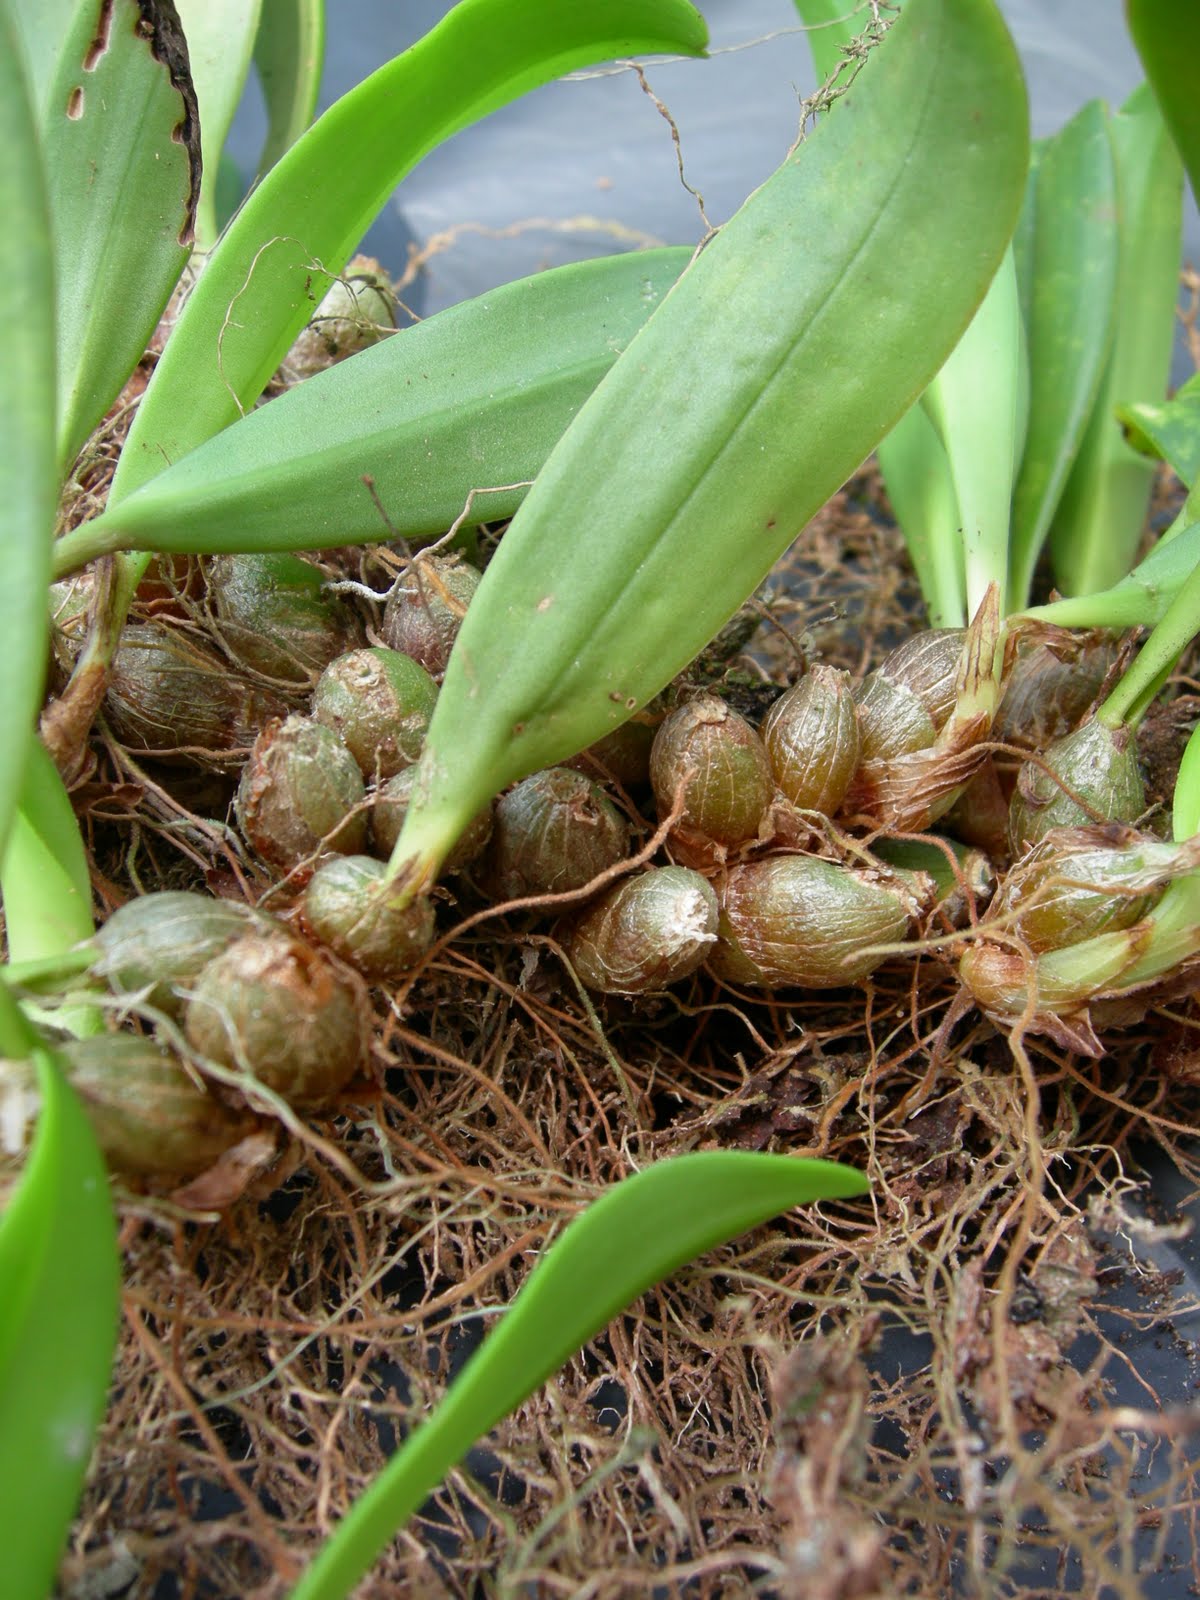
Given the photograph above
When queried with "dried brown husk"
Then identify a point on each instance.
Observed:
(300, 793)
(425, 609)
(554, 832)
(645, 933)
(390, 807)
(708, 757)
(276, 1008)
(801, 921)
(1052, 681)
(176, 699)
(349, 907)
(379, 703)
(1088, 776)
(979, 815)
(156, 945)
(274, 616)
(812, 740)
(907, 790)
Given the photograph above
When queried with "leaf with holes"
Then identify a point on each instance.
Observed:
(121, 147)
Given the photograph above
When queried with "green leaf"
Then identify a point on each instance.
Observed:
(1141, 598)
(28, 475)
(44, 880)
(220, 41)
(635, 1235)
(978, 404)
(917, 477)
(44, 876)
(288, 54)
(122, 159)
(1070, 282)
(298, 228)
(1096, 528)
(42, 28)
(1157, 659)
(58, 1323)
(776, 364)
(474, 396)
(1185, 806)
(1170, 432)
(1167, 36)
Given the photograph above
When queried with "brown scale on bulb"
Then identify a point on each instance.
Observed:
(708, 759)
(799, 921)
(644, 933)
(277, 1009)
(301, 792)
(1052, 679)
(178, 700)
(553, 833)
(425, 609)
(813, 740)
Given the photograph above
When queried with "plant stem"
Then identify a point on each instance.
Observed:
(1156, 660)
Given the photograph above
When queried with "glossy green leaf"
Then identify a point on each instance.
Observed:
(1170, 432)
(288, 55)
(121, 151)
(1070, 282)
(59, 1296)
(298, 228)
(1158, 657)
(1022, 239)
(474, 396)
(45, 885)
(950, 483)
(220, 41)
(1096, 528)
(776, 364)
(1167, 36)
(1141, 598)
(1185, 807)
(44, 874)
(636, 1234)
(978, 403)
(28, 477)
(42, 26)
(917, 477)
